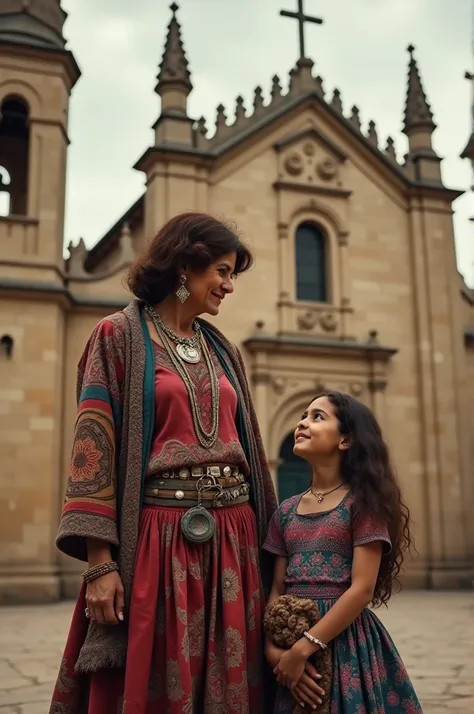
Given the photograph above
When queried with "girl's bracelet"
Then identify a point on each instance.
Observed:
(315, 641)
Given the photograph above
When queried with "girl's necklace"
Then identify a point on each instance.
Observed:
(321, 494)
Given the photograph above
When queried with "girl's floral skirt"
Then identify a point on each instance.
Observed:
(369, 676)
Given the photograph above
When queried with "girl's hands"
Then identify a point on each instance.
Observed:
(307, 691)
(290, 667)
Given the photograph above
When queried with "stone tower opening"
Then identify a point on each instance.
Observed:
(5, 182)
(14, 153)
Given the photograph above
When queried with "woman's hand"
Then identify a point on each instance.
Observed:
(290, 667)
(105, 600)
(307, 691)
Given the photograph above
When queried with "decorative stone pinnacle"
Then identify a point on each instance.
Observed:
(390, 149)
(239, 109)
(372, 133)
(201, 126)
(276, 88)
(258, 98)
(174, 69)
(417, 110)
(355, 118)
(221, 118)
(336, 101)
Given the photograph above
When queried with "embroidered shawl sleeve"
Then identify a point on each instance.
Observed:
(90, 506)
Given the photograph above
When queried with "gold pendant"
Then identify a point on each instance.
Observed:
(320, 497)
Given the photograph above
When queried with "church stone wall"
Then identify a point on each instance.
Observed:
(31, 390)
(378, 286)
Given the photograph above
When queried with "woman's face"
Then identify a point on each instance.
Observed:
(317, 433)
(209, 288)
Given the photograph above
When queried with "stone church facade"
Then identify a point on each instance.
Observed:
(355, 285)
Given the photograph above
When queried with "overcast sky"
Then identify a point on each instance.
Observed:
(233, 46)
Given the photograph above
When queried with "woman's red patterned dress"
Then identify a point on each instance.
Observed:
(195, 620)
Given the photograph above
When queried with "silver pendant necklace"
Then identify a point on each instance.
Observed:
(321, 494)
(186, 347)
(188, 353)
(207, 438)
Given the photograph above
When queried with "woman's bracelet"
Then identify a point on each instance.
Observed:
(315, 641)
(98, 570)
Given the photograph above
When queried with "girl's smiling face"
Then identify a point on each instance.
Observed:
(317, 433)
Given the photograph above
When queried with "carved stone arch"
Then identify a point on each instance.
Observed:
(24, 92)
(15, 148)
(5, 183)
(326, 214)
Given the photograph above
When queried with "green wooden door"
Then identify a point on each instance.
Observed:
(293, 472)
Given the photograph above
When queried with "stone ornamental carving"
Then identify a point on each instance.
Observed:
(328, 321)
(279, 385)
(356, 389)
(309, 148)
(327, 169)
(307, 320)
(294, 164)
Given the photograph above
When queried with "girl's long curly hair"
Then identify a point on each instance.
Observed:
(366, 468)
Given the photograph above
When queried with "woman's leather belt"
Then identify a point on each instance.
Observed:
(196, 472)
(219, 492)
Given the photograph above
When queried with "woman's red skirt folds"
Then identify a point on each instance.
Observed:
(195, 625)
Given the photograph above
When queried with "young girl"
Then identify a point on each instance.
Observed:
(341, 544)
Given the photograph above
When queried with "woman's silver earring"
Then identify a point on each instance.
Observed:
(182, 293)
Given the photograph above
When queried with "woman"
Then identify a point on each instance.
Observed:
(169, 496)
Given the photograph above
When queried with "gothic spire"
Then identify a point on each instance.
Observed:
(174, 72)
(418, 114)
(423, 165)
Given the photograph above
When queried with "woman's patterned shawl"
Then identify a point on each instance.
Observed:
(112, 442)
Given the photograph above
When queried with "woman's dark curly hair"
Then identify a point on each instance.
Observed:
(189, 240)
(367, 469)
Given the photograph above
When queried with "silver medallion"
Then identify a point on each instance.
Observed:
(188, 353)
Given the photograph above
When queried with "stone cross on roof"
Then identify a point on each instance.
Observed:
(302, 18)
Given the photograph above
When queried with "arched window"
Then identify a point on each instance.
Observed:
(311, 264)
(4, 192)
(293, 473)
(14, 151)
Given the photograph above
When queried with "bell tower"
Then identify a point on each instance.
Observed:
(37, 74)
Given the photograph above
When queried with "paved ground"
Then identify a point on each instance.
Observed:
(434, 632)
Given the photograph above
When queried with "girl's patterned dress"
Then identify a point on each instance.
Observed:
(368, 674)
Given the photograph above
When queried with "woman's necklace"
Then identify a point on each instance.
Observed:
(207, 439)
(186, 347)
(321, 494)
